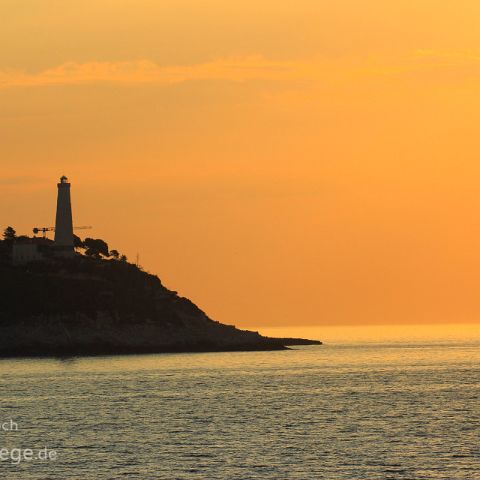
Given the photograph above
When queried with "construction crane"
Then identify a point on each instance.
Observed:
(44, 230)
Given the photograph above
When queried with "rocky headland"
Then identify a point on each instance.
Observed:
(104, 306)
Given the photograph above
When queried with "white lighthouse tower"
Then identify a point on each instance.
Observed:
(64, 222)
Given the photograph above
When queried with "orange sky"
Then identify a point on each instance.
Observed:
(306, 163)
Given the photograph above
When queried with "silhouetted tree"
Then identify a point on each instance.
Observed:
(123, 258)
(9, 233)
(115, 254)
(95, 247)
(77, 242)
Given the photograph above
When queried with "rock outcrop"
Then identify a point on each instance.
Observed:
(87, 306)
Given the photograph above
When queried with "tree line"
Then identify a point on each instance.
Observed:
(91, 247)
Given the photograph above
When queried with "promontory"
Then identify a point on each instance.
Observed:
(96, 304)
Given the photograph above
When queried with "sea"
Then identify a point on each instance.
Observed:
(354, 408)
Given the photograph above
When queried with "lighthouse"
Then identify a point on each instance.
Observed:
(63, 222)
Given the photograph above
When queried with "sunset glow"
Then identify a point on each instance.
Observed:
(281, 164)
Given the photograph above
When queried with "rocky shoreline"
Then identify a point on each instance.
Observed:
(66, 336)
(107, 350)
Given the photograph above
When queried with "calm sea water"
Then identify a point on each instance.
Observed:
(338, 411)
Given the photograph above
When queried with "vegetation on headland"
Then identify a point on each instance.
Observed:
(96, 302)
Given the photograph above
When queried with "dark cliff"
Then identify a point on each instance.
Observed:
(82, 306)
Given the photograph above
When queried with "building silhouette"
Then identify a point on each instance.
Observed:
(25, 249)
(63, 222)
